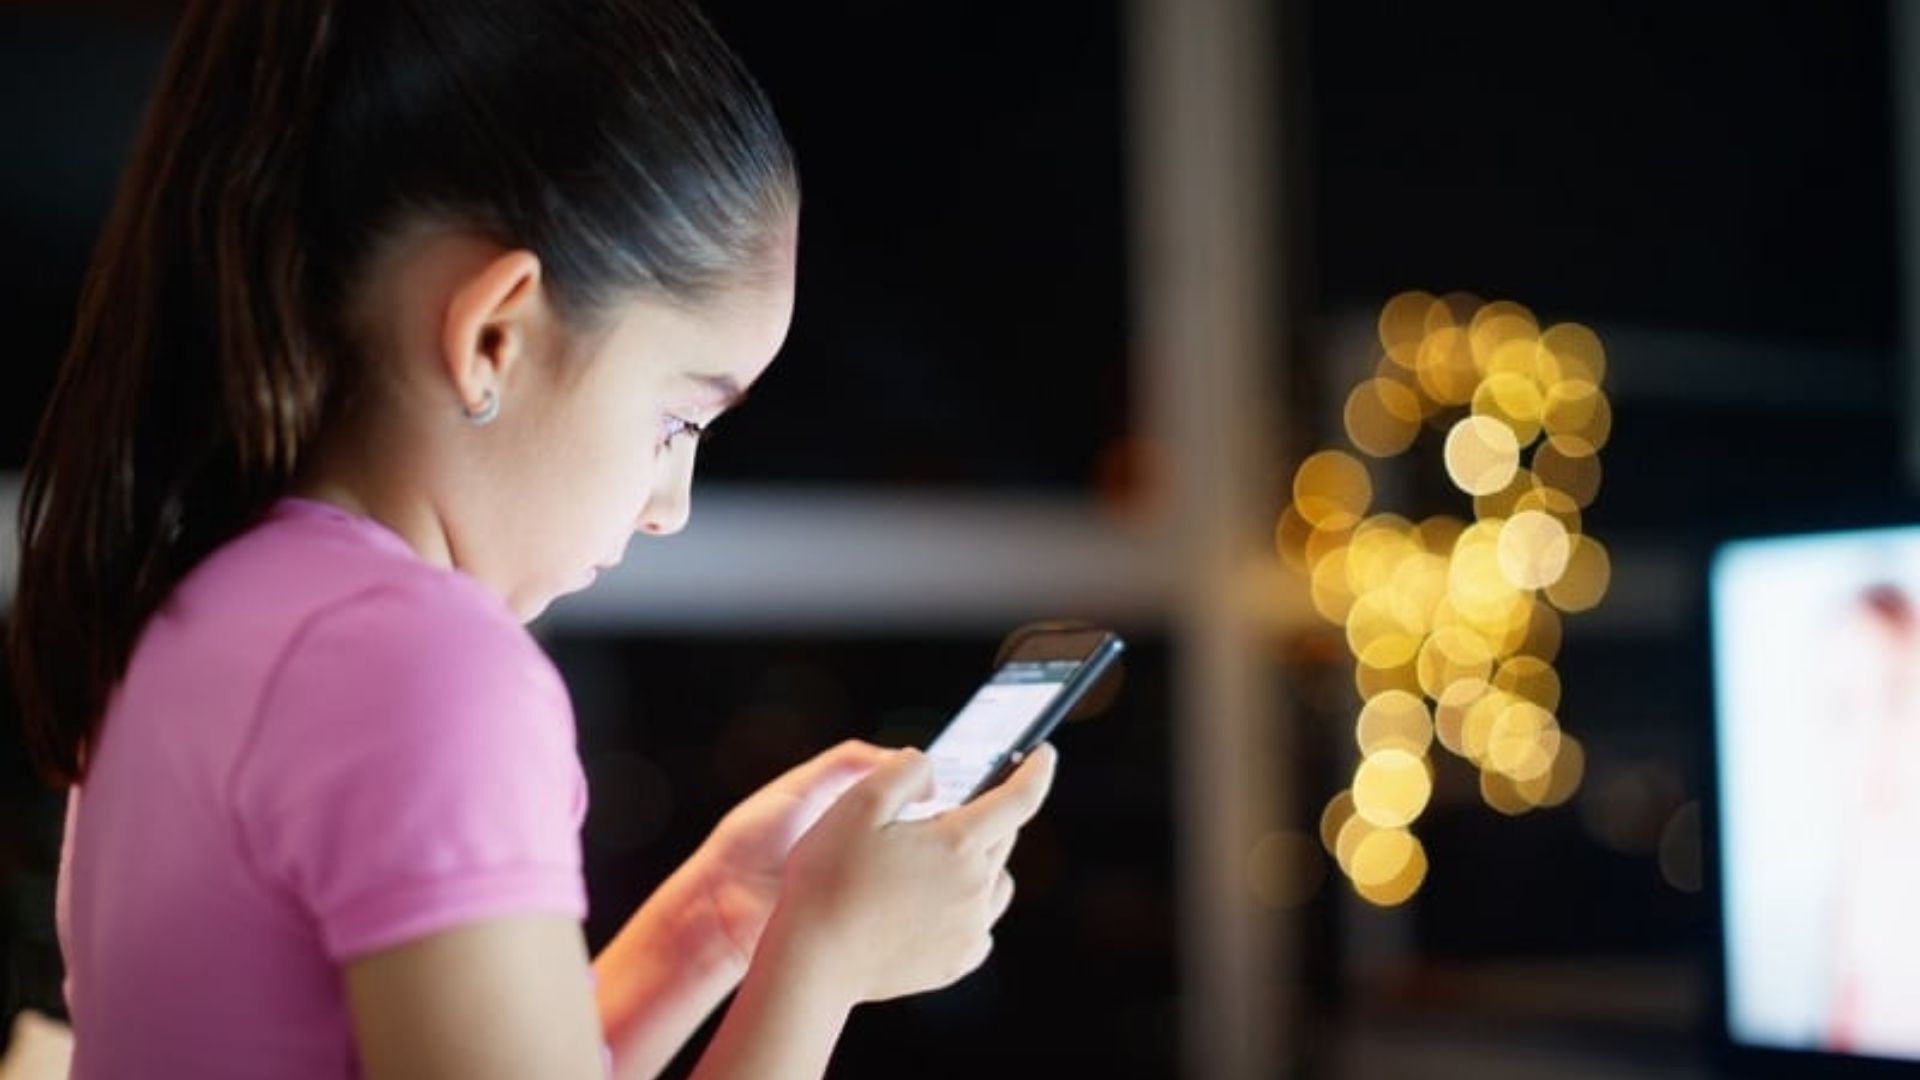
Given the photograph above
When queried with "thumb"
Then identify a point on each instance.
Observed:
(901, 778)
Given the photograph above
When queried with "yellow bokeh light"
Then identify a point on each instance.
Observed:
(1332, 490)
(1584, 585)
(1502, 503)
(1515, 401)
(1401, 887)
(1465, 613)
(1376, 633)
(1419, 589)
(1523, 358)
(1290, 536)
(1394, 720)
(1503, 794)
(1391, 787)
(1450, 712)
(1565, 464)
(1476, 728)
(1324, 542)
(1530, 678)
(1533, 550)
(1348, 837)
(1460, 308)
(1438, 534)
(1403, 321)
(1445, 367)
(1557, 784)
(1398, 369)
(1476, 586)
(1327, 588)
(1552, 502)
(1576, 352)
(1523, 740)
(1495, 324)
(1503, 628)
(1371, 682)
(1378, 548)
(1503, 309)
(1383, 416)
(1338, 811)
(1482, 455)
(1578, 412)
(1450, 654)
(1380, 856)
(1542, 635)
(1491, 336)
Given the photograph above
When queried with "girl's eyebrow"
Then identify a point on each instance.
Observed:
(725, 387)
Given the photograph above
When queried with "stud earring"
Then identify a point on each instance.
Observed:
(487, 411)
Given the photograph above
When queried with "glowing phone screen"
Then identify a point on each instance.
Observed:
(975, 741)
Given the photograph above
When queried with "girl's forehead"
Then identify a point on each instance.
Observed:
(718, 347)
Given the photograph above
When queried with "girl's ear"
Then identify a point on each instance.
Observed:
(492, 317)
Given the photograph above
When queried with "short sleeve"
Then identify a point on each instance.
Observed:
(412, 767)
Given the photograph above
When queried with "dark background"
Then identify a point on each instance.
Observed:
(1714, 182)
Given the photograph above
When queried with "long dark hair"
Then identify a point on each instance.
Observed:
(619, 140)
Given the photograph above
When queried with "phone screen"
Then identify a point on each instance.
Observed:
(979, 737)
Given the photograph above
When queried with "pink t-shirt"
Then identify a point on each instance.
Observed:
(323, 746)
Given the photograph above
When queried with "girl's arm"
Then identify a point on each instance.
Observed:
(661, 976)
(787, 1017)
(498, 999)
(507, 998)
(671, 965)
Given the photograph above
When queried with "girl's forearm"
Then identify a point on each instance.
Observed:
(785, 1020)
(661, 976)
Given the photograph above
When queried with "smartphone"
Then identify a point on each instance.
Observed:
(1037, 684)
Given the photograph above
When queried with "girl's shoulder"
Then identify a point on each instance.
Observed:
(308, 562)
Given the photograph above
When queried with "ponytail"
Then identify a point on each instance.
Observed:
(189, 387)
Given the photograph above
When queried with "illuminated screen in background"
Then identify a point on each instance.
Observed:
(970, 748)
(1817, 679)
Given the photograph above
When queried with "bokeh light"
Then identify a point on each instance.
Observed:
(1283, 869)
(1391, 787)
(1454, 624)
(1533, 549)
(1523, 741)
(1401, 886)
(1383, 416)
(1381, 855)
(1561, 781)
(1444, 365)
(1566, 464)
(1403, 324)
(1397, 720)
(1577, 411)
(1680, 849)
(1332, 490)
(1530, 678)
(1482, 455)
(1576, 352)
(1589, 571)
(1514, 400)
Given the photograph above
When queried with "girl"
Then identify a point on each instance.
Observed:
(408, 313)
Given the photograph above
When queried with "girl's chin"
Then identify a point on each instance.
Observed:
(578, 584)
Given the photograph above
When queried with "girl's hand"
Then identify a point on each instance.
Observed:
(741, 864)
(892, 908)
